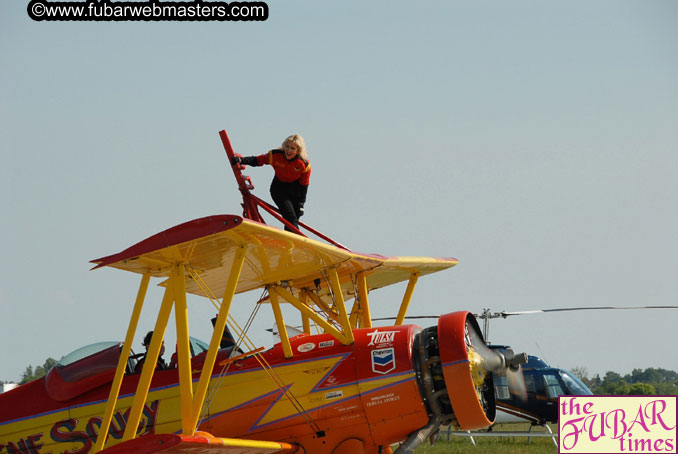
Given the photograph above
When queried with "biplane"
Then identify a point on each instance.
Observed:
(347, 387)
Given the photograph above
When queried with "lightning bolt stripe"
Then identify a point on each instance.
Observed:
(368, 380)
(239, 389)
(299, 378)
(304, 386)
(379, 385)
(324, 377)
(286, 364)
(282, 409)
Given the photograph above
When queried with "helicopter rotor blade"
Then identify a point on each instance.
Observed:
(486, 315)
(503, 314)
(591, 308)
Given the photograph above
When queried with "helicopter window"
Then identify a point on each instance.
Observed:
(553, 389)
(529, 383)
(576, 387)
(501, 388)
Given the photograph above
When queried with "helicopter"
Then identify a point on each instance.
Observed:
(538, 401)
(531, 393)
(347, 388)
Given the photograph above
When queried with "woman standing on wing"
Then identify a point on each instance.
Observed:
(292, 176)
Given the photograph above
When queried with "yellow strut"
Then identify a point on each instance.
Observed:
(149, 366)
(306, 323)
(282, 329)
(307, 312)
(177, 280)
(321, 304)
(211, 356)
(364, 300)
(355, 316)
(406, 298)
(341, 306)
(122, 364)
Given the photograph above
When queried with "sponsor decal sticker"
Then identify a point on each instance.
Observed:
(334, 395)
(314, 371)
(381, 337)
(326, 344)
(382, 399)
(350, 408)
(383, 360)
(617, 424)
(307, 347)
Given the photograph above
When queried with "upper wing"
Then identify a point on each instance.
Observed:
(207, 246)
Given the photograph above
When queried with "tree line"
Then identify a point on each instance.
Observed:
(650, 381)
(31, 374)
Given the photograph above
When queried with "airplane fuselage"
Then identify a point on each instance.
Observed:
(392, 384)
(327, 393)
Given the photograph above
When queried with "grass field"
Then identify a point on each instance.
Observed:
(493, 445)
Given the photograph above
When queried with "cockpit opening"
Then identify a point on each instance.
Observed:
(94, 365)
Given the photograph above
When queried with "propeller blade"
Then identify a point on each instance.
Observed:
(494, 360)
(516, 383)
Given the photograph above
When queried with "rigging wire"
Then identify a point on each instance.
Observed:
(358, 303)
(266, 367)
(333, 308)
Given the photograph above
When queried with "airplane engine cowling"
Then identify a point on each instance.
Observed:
(452, 370)
(469, 385)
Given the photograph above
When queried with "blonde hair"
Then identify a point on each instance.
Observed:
(298, 141)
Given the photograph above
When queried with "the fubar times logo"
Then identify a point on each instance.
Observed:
(617, 424)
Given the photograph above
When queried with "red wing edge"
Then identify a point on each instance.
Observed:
(201, 442)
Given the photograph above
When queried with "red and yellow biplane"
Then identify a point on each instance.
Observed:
(350, 388)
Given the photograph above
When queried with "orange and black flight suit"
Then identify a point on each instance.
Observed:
(290, 183)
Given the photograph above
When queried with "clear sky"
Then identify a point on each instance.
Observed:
(535, 141)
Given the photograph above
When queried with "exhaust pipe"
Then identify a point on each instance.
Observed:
(418, 437)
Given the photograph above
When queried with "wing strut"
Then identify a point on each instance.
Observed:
(307, 312)
(149, 364)
(219, 326)
(340, 304)
(122, 363)
(360, 312)
(280, 321)
(406, 298)
(270, 371)
(364, 300)
(175, 296)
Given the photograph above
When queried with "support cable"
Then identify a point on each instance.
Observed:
(266, 367)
